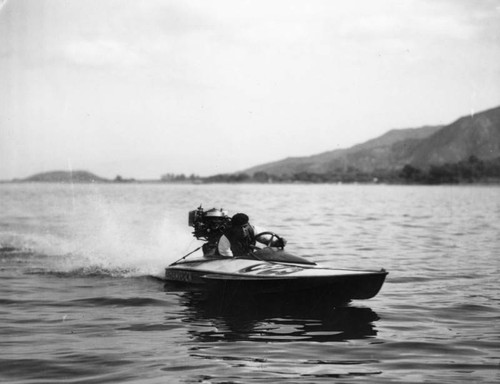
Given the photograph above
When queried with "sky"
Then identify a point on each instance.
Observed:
(148, 87)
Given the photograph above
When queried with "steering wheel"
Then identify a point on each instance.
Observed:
(273, 235)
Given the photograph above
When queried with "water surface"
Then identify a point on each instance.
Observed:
(79, 301)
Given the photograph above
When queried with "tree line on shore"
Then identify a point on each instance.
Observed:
(467, 171)
(472, 170)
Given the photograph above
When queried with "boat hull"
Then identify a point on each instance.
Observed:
(252, 277)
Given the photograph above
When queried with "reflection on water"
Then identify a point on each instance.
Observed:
(245, 318)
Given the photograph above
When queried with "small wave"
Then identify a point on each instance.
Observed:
(120, 302)
(410, 279)
(73, 366)
(342, 362)
(472, 308)
(90, 271)
(18, 254)
(340, 375)
(151, 327)
(7, 249)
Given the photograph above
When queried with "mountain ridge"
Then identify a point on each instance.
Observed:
(475, 135)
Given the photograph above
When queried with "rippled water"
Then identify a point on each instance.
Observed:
(79, 301)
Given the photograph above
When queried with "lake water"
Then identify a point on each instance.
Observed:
(79, 305)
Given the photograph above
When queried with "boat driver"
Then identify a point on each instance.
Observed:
(239, 239)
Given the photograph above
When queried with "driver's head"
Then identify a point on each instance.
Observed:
(239, 220)
(240, 226)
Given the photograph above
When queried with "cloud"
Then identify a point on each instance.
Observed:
(406, 26)
(100, 53)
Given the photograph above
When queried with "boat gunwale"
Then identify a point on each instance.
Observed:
(202, 272)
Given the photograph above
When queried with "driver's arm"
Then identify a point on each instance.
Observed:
(264, 239)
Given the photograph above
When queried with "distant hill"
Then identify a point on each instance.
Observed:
(361, 156)
(66, 177)
(477, 135)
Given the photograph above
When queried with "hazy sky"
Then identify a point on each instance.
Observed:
(147, 87)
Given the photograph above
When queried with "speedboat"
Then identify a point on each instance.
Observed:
(270, 271)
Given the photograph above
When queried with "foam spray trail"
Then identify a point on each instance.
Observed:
(132, 247)
(103, 237)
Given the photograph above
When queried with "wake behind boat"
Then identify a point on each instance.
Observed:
(267, 271)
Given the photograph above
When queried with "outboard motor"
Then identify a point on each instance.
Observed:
(209, 226)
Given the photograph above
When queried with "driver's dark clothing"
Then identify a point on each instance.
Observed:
(242, 239)
(238, 240)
